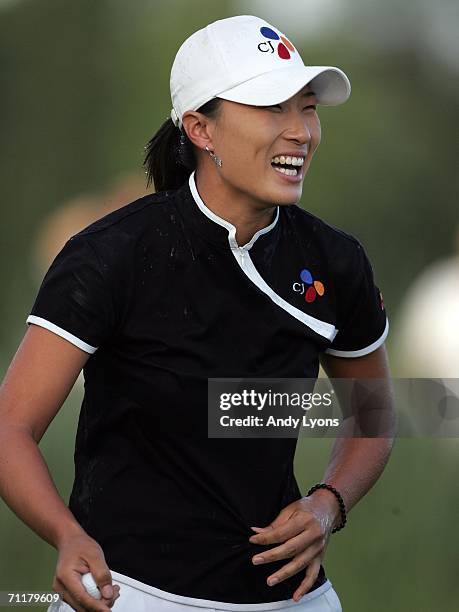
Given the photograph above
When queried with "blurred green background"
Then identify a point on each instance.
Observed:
(85, 84)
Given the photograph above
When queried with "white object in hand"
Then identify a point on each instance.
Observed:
(90, 585)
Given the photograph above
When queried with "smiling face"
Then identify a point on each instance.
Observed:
(266, 150)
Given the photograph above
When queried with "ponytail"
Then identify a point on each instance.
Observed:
(169, 154)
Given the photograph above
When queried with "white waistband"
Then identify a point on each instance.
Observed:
(219, 605)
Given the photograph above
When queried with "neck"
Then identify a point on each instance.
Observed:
(244, 212)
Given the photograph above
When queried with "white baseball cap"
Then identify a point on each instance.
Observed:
(246, 60)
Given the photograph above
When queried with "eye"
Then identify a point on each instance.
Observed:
(313, 106)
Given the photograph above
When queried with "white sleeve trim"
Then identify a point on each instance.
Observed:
(368, 349)
(61, 332)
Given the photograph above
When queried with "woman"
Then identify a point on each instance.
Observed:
(218, 274)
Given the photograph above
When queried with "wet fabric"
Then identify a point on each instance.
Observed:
(155, 294)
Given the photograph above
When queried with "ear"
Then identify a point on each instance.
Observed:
(198, 128)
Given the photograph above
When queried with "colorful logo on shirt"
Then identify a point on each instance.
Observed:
(309, 287)
(284, 46)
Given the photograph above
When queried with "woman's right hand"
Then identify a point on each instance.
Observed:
(29, 400)
(78, 555)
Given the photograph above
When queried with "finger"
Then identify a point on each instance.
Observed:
(68, 598)
(295, 525)
(297, 564)
(258, 529)
(116, 591)
(292, 547)
(80, 597)
(312, 571)
(102, 578)
(281, 518)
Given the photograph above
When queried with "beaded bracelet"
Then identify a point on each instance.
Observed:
(342, 507)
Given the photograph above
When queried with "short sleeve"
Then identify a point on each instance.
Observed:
(361, 316)
(74, 299)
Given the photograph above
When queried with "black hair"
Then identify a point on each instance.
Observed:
(169, 154)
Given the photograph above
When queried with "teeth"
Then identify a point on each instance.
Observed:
(288, 171)
(292, 161)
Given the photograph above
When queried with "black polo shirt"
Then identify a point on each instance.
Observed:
(163, 298)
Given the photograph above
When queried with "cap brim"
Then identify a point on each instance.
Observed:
(330, 84)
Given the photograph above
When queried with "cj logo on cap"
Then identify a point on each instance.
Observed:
(316, 287)
(283, 47)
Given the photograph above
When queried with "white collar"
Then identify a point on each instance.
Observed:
(223, 222)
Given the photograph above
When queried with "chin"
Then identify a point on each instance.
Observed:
(286, 196)
(280, 195)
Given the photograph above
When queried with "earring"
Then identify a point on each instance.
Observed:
(216, 159)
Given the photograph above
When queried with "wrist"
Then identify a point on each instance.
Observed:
(328, 501)
(67, 531)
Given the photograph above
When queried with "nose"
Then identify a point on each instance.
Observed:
(297, 128)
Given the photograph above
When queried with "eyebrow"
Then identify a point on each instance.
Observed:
(307, 94)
